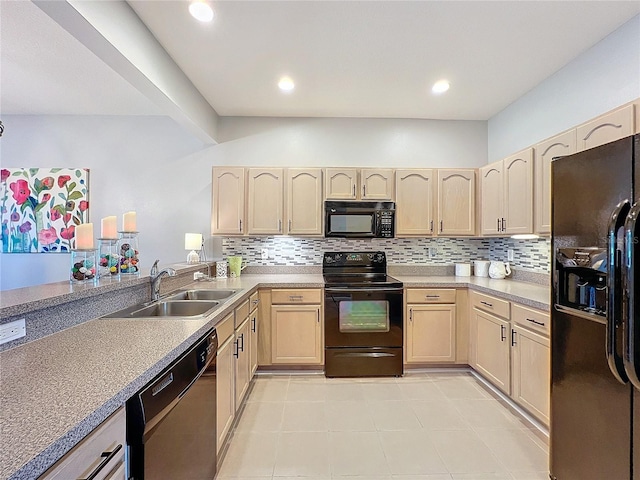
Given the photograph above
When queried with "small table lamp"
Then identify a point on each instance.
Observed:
(193, 242)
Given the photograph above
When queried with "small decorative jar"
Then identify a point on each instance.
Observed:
(128, 253)
(83, 266)
(108, 258)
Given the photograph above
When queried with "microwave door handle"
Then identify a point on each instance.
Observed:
(630, 330)
(615, 312)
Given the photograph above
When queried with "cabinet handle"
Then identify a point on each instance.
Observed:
(256, 301)
(431, 226)
(513, 338)
(503, 334)
(440, 226)
(107, 456)
(504, 225)
(241, 346)
(490, 305)
(411, 314)
(237, 352)
(354, 190)
(295, 298)
(318, 315)
(498, 223)
(432, 296)
(535, 321)
(279, 225)
(289, 224)
(253, 324)
(364, 191)
(240, 225)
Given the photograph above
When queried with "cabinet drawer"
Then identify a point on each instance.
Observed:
(253, 301)
(490, 304)
(431, 295)
(86, 457)
(224, 329)
(296, 295)
(242, 312)
(533, 319)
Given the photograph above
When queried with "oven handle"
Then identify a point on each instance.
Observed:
(362, 289)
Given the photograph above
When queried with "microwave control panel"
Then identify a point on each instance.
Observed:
(385, 223)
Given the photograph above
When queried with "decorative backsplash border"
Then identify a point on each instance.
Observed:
(293, 251)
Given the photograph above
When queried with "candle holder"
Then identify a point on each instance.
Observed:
(108, 258)
(128, 252)
(83, 266)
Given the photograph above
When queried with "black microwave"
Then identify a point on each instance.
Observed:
(359, 219)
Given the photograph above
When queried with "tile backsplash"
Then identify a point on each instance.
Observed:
(288, 251)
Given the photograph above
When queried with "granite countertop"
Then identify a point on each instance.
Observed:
(55, 390)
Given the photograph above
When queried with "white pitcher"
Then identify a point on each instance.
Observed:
(499, 270)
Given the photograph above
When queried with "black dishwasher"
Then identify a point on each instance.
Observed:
(171, 423)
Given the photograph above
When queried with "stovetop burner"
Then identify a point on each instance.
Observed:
(357, 269)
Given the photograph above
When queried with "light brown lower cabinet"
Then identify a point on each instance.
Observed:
(296, 334)
(253, 333)
(225, 390)
(430, 334)
(530, 369)
(242, 361)
(85, 459)
(492, 348)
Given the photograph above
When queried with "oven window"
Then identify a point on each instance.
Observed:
(364, 316)
(351, 223)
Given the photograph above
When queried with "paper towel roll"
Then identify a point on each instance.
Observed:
(463, 269)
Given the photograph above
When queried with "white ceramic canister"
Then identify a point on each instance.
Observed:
(221, 269)
(481, 268)
(463, 269)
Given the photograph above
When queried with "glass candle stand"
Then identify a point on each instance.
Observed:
(83, 266)
(128, 252)
(108, 258)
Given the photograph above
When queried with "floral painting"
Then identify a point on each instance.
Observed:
(40, 208)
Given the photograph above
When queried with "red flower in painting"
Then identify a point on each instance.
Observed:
(20, 191)
(55, 215)
(46, 197)
(4, 174)
(62, 180)
(83, 205)
(47, 183)
(47, 236)
(66, 218)
(68, 233)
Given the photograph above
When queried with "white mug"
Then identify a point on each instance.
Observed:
(221, 269)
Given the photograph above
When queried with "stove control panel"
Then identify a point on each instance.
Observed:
(354, 258)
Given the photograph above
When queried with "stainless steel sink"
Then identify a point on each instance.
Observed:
(202, 295)
(167, 308)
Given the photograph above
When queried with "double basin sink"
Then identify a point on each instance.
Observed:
(185, 303)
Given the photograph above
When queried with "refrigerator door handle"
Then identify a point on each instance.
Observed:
(629, 285)
(615, 274)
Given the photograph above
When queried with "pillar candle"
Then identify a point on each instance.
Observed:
(109, 228)
(84, 236)
(129, 222)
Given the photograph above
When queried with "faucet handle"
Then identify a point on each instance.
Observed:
(154, 268)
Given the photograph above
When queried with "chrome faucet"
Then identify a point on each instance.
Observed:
(156, 277)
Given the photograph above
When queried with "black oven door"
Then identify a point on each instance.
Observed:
(363, 317)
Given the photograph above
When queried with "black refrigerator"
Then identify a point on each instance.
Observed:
(595, 385)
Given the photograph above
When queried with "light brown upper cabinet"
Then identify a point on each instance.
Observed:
(227, 207)
(563, 144)
(606, 128)
(507, 195)
(304, 201)
(359, 184)
(415, 194)
(266, 199)
(456, 202)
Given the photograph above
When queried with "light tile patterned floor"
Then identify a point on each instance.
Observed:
(423, 426)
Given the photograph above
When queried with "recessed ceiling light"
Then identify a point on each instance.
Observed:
(286, 84)
(201, 11)
(440, 86)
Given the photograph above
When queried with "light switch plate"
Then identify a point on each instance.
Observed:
(510, 255)
(264, 253)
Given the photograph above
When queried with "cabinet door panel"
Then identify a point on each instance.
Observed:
(242, 361)
(304, 201)
(341, 183)
(253, 351)
(227, 207)
(456, 202)
(225, 391)
(518, 192)
(531, 372)
(563, 144)
(606, 128)
(492, 349)
(266, 196)
(491, 181)
(377, 184)
(414, 202)
(296, 334)
(431, 333)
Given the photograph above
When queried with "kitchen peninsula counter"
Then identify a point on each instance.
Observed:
(56, 390)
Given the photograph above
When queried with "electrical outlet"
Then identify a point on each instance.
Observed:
(12, 331)
(264, 253)
(510, 255)
(433, 251)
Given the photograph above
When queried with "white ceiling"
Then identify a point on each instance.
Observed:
(348, 58)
